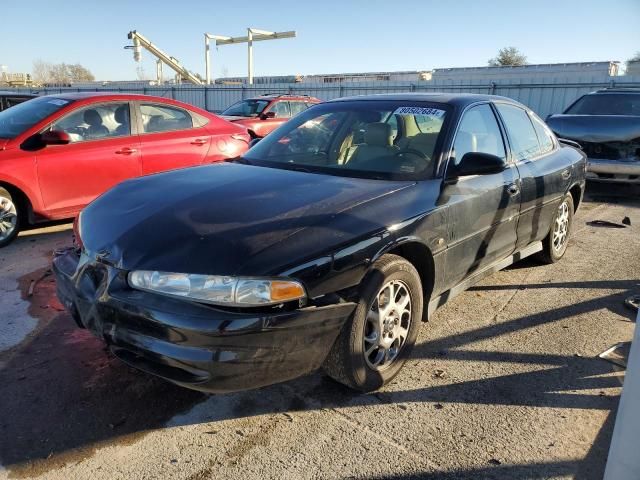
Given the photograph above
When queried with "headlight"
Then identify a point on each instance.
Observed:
(77, 239)
(219, 290)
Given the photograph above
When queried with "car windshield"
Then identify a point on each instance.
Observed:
(368, 139)
(606, 104)
(18, 119)
(246, 108)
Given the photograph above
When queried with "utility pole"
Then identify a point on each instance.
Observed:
(249, 56)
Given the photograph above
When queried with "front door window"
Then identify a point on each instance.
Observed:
(96, 122)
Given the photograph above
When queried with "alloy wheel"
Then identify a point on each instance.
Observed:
(387, 325)
(8, 218)
(561, 227)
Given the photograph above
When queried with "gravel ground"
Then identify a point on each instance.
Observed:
(504, 383)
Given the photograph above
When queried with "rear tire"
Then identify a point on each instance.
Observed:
(376, 341)
(555, 244)
(9, 218)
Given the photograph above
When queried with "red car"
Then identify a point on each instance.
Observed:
(262, 115)
(59, 152)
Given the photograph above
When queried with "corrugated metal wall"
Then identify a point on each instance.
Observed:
(543, 95)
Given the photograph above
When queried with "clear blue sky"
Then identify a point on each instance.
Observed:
(333, 36)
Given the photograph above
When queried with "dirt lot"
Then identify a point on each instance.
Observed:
(504, 383)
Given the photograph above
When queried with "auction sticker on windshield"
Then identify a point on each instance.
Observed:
(431, 112)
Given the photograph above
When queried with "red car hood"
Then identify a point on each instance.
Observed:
(3, 143)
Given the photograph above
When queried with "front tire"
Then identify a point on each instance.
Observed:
(376, 341)
(9, 218)
(555, 244)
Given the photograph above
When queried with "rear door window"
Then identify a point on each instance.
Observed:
(545, 137)
(297, 107)
(164, 118)
(281, 109)
(522, 136)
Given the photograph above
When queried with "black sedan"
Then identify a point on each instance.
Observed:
(9, 99)
(326, 245)
(606, 124)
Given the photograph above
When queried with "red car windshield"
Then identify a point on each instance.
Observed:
(18, 119)
(246, 108)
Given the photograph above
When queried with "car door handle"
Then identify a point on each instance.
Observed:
(513, 189)
(199, 141)
(126, 151)
(566, 174)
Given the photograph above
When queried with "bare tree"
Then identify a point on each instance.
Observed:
(508, 56)
(78, 73)
(140, 75)
(60, 73)
(40, 71)
(635, 58)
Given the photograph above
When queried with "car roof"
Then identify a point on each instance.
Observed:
(455, 99)
(630, 90)
(83, 95)
(117, 96)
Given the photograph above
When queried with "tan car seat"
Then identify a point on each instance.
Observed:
(378, 142)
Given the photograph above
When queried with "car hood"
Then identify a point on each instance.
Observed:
(3, 143)
(596, 128)
(217, 219)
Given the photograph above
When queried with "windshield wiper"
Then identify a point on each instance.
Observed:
(241, 160)
(298, 168)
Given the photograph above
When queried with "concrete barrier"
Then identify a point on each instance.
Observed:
(624, 452)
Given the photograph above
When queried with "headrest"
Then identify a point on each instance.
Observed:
(378, 134)
(92, 117)
(121, 114)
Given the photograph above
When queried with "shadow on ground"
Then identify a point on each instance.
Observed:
(64, 395)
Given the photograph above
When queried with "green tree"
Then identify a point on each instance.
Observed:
(508, 56)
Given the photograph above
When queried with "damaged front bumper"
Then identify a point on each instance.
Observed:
(613, 170)
(194, 345)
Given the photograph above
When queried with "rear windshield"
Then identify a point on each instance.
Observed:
(606, 104)
(18, 119)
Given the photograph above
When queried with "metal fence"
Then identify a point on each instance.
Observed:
(544, 96)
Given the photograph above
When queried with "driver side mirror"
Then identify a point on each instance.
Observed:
(55, 137)
(264, 116)
(477, 163)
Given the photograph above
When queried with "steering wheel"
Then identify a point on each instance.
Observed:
(77, 130)
(413, 158)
